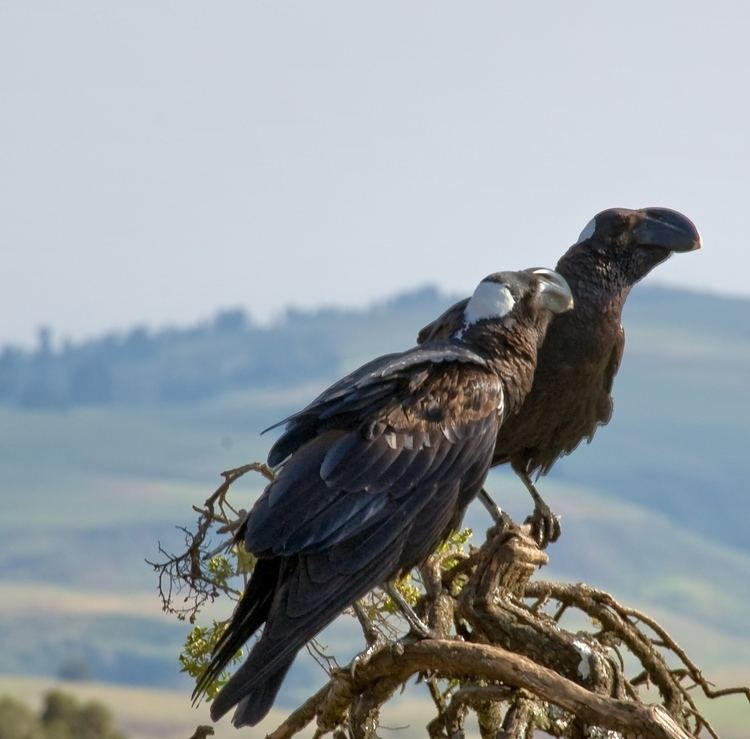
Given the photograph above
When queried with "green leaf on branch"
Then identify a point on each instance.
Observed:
(219, 569)
(245, 560)
(196, 654)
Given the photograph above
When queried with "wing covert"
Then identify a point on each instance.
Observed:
(367, 392)
(446, 325)
(344, 481)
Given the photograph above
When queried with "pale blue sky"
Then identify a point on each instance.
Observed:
(159, 160)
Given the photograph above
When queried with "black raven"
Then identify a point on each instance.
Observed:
(374, 474)
(577, 363)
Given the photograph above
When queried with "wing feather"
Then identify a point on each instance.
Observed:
(324, 582)
(445, 326)
(365, 390)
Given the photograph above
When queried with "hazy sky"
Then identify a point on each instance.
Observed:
(159, 160)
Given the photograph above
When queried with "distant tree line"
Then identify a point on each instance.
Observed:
(172, 365)
(186, 365)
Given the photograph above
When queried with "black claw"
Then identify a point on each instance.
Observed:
(545, 526)
(363, 658)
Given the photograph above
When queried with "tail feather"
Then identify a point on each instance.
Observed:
(325, 587)
(257, 681)
(254, 685)
(249, 615)
(253, 708)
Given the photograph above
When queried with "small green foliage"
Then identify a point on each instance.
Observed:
(454, 543)
(408, 589)
(220, 570)
(196, 654)
(245, 560)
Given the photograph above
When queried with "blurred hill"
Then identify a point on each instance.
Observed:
(188, 365)
(105, 445)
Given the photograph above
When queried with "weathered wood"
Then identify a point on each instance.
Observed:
(454, 659)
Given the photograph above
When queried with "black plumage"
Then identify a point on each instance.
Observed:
(373, 474)
(572, 391)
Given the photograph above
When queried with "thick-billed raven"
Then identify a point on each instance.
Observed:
(374, 474)
(571, 395)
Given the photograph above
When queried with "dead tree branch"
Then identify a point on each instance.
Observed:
(186, 572)
(502, 652)
(453, 659)
(546, 677)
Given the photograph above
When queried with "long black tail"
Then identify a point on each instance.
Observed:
(249, 615)
(297, 597)
(253, 708)
(309, 596)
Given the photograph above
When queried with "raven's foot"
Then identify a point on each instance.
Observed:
(545, 525)
(418, 627)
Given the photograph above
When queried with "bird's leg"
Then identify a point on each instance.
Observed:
(493, 508)
(416, 625)
(375, 640)
(499, 516)
(419, 627)
(545, 525)
(372, 635)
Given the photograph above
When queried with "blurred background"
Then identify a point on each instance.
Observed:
(210, 211)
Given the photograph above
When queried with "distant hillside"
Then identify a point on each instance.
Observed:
(655, 510)
(230, 352)
(682, 398)
(185, 365)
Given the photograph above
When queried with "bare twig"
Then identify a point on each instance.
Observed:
(185, 572)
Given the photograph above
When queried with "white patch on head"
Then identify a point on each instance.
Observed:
(490, 300)
(587, 232)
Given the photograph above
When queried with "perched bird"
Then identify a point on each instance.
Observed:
(572, 391)
(374, 474)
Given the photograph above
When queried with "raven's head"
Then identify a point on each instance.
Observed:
(506, 319)
(526, 299)
(630, 243)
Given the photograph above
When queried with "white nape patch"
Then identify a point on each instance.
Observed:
(584, 666)
(587, 232)
(490, 300)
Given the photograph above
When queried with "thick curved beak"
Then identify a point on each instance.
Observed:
(554, 291)
(667, 229)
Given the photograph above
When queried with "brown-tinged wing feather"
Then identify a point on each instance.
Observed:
(446, 325)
